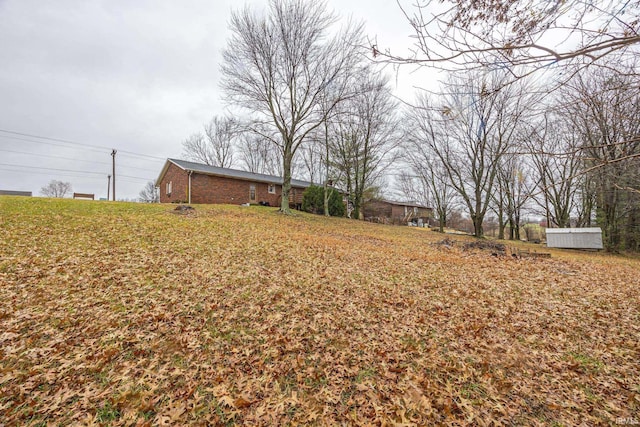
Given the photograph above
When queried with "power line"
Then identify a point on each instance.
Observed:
(69, 170)
(45, 173)
(75, 159)
(55, 157)
(69, 175)
(66, 141)
(51, 169)
(76, 175)
(48, 143)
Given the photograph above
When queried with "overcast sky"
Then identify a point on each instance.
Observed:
(138, 76)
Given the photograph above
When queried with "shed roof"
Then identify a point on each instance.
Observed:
(15, 193)
(408, 204)
(585, 230)
(228, 173)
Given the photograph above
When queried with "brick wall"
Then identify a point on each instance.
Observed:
(398, 212)
(216, 189)
(179, 184)
(207, 189)
(377, 209)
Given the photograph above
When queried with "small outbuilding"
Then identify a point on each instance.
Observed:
(574, 238)
(15, 193)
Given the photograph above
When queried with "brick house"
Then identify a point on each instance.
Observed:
(181, 181)
(391, 212)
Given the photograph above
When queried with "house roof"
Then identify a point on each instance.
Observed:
(228, 173)
(408, 204)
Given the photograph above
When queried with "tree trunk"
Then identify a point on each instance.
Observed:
(356, 207)
(477, 226)
(501, 222)
(512, 231)
(546, 206)
(286, 183)
(326, 177)
(608, 214)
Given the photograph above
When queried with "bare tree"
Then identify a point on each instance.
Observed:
(364, 136)
(321, 146)
(215, 147)
(195, 148)
(278, 67)
(312, 160)
(149, 194)
(468, 34)
(428, 181)
(469, 133)
(515, 187)
(607, 116)
(56, 189)
(558, 165)
(258, 155)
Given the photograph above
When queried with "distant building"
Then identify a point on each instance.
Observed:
(15, 193)
(181, 181)
(574, 238)
(392, 212)
(84, 196)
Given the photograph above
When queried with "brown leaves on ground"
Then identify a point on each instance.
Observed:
(126, 314)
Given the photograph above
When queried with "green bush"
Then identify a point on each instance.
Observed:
(313, 201)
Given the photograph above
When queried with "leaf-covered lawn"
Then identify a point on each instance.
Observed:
(129, 314)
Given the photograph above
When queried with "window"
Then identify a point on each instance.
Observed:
(168, 189)
(272, 189)
(252, 193)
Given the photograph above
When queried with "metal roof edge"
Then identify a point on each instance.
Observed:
(573, 230)
(411, 204)
(235, 173)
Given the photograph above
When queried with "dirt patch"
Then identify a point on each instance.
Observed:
(445, 243)
(493, 248)
(184, 210)
(485, 245)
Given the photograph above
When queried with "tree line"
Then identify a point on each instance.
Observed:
(495, 139)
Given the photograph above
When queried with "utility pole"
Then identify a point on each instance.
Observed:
(113, 154)
(108, 185)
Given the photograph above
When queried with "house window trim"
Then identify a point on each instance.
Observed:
(168, 188)
(271, 189)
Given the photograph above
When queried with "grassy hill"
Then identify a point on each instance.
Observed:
(130, 314)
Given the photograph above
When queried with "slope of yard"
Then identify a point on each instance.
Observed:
(125, 314)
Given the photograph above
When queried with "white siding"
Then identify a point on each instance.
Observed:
(574, 238)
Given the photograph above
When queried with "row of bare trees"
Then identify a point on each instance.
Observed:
(356, 142)
(572, 157)
(313, 104)
(491, 141)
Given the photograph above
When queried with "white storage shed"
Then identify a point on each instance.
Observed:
(574, 238)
